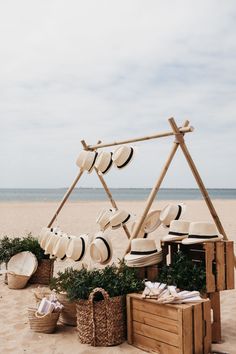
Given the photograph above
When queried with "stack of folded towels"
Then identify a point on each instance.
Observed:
(167, 294)
(49, 305)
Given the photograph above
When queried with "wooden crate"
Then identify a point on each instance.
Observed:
(169, 329)
(218, 258)
(150, 272)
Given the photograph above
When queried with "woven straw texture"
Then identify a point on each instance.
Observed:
(68, 313)
(44, 272)
(40, 293)
(16, 281)
(101, 323)
(44, 324)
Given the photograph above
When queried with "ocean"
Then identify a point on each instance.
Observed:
(86, 194)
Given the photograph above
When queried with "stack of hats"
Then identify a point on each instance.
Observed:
(143, 253)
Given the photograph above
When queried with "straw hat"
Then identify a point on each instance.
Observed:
(202, 232)
(60, 248)
(47, 234)
(171, 212)
(143, 252)
(104, 161)
(51, 241)
(103, 218)
(152, 221)
(122, 156)
(23, 263)
(77, 247)
(119, 218)
(101, 249)
(42, 233)
(86, 160)
(178, 230)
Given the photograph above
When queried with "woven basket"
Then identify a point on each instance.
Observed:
(16, 281)
(40, 293)
(101, 323)
(42, 323)
(68, 313)
(44, 272)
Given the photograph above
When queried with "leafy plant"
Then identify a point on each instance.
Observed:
(184, 273)
(11, 246)
(116, 280)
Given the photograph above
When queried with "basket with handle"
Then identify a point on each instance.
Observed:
(42, 323)
(101, 323)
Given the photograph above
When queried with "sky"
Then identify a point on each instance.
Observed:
(113, 70)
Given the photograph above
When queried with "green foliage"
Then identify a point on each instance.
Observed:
(11, 246)
(116, 280)
(184, 274)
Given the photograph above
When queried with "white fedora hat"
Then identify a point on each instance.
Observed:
(103, 218)
(101, 249)
(23, 263)
(202, 232)
(119, 218)
(86, 160)
(77, 247)
(141, 248)
(60, 248)
(80, 159)
(171, 212)
(152, 221)
(51, 241)
(104, 161)
(122, 156)
(44, 238)
(178, 230)
(42, 233)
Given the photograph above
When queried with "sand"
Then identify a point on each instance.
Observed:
(18, 219)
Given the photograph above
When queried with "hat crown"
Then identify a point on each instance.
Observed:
(118, 217)
(143, 245)
(203, 229)
(103, 160)
(80, 159)
(122, 155)
(180, 226)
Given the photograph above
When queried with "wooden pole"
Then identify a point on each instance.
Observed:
(154, 191)
(183, 130)
(66, 196)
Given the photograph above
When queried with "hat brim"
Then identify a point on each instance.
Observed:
(128, 160)
(110, 248)
(154, 218)
(173, 238)
(75, 257)
(189, 241)
(135, 257)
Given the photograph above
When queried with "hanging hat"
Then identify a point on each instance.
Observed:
(101, 249)
(119, 218)
(23, 263)
(51, 241)
(44, 238)
(152, 221)
(178, 230)
(80, 159)
(122, 156)
(103, 218)
(202, 232)
(143, 252)
(171, 212)
(86, 160)
(77, 247)
(104, 161)
(42, 233)
(60, 248)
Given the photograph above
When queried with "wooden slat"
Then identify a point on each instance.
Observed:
(129, 319)
(152, 272)
(150, 344)
(157, 333)
(187, 331)
(197, 328)
(216, 325)
(154, 308)
(166, 324)
(220, 266)
(229, 261)
(210, 278)
(207, 327)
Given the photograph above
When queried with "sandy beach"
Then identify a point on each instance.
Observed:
(18, 219)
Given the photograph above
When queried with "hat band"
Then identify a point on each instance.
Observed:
(109, 165)
(177, 233)
(95, 156)
(107, 246)
(83, 250)
(123, 222)
(143, 252)
(202, 236)
(64, 257)
(128, 160)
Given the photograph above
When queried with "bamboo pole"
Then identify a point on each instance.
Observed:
(183, 130)
(66, 196)
(154, 191)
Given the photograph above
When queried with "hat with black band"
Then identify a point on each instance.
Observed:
(101, 249)
(77, 247)
(178, 230)
(200, 232)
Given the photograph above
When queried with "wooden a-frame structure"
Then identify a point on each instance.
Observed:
(178, 133)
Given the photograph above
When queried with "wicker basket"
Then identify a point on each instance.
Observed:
(101, 323)
(68, 313)
(40, 293)
(44, 272)
(16, 281)
(42, 323)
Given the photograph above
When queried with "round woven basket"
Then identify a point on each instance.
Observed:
(68, 313)
(44, 272)
(16, 281)
(40, 293)
(42, 323)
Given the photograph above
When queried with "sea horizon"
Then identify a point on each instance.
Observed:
(98, 194)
